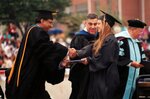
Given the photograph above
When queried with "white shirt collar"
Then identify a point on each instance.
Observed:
(85, 29)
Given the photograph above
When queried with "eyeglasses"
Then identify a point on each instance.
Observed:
(92, 24)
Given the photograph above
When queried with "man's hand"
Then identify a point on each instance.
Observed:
(72, 53)
(65, 62)
(136, 64)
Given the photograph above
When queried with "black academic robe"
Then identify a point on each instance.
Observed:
(123, 68)
(104, 77)
(79, 72)
(39, 64)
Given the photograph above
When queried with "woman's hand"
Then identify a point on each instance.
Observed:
(84, 61)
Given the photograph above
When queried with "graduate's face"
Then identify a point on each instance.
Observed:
(47, 24)
(99, 26)
(91, 25)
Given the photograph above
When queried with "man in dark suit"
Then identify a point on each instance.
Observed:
(79, 72)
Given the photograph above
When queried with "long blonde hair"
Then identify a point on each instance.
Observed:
(106, 31)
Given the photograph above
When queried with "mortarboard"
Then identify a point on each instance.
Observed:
(45, 14)
(136, 23)
(109, 19)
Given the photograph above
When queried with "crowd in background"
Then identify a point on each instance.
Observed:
(9, 45)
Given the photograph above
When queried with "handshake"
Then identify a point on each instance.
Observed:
(72, 53)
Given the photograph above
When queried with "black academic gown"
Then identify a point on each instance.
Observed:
(40, 64)
(124, 61)
(79, 72)
(123, 69)
(104, 77)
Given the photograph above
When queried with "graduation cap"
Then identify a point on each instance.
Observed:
(46, 14)
(109, 19)
(136, 23)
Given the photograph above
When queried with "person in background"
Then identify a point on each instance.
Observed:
(57, 35)
(12, 30)
(131, 55)
(79, 72)
(38, 60)
(82, 25)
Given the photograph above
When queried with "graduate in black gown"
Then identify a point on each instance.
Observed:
(79, 72)
(131, 56)
(102, 57)
(38, 61)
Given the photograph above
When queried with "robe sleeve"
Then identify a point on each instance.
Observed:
(50, 54)
(123, 61)
(85, 51)
(106, 56)
(53, 73)
(123, 58)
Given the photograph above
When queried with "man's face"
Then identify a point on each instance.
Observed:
(47, 24)
(91, 25)
(137, 32)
